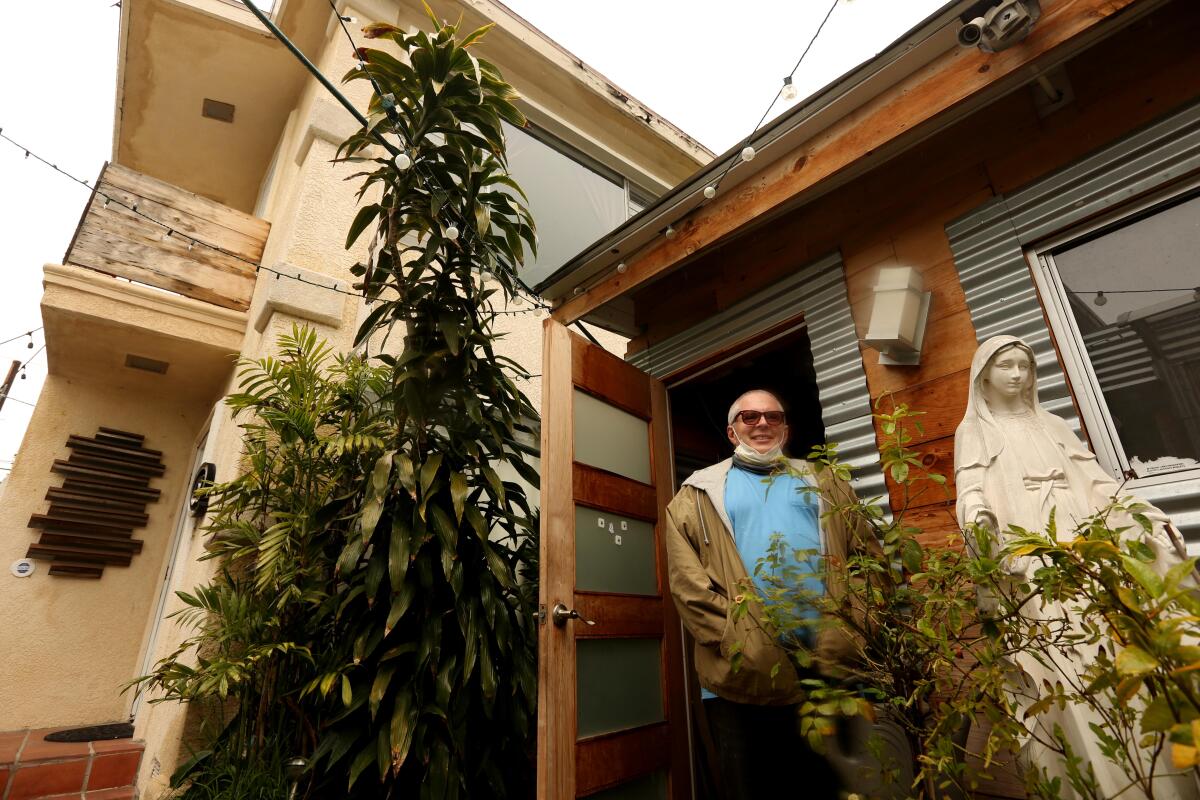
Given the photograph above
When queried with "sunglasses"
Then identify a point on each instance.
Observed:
(752, 417)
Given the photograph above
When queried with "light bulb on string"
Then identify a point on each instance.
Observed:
(710, 192)
(670, 233)
(748, 153)
(30, 345)
(621, 268)
(1100, 299)
(789, 91)
(451, 233)
(402, 161)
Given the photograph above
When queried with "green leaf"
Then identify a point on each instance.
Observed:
(347, 691)
(399, 551)
(1158, 716)
(458, 493)
(1144, 574)
(429, 471)
(379, 687)
(911, 555)
(404, 718)
(445, 528)
(1134, 661)
(365, 216)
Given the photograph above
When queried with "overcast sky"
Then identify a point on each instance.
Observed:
(709, 67)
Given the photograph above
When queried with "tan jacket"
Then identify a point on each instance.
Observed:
(706, 571)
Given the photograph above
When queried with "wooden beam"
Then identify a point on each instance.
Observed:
(906, 111)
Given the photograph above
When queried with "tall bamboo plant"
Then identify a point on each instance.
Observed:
(372, 613)
(439, 681)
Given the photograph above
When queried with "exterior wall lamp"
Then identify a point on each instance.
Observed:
(898, 316)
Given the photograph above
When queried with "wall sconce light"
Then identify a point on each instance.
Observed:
(898, 316)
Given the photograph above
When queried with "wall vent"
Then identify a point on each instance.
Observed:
(147, 364)
(215, 109)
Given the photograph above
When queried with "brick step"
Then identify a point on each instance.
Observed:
(34, 769)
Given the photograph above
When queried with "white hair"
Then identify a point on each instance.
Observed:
(737, 404)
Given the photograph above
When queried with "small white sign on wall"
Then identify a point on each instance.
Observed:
(22, 568)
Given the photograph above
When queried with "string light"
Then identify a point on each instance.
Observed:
(748, 152)
(22, 336)
(402, 161)
(621, 268)
(452, 233)
(670, 233)
(710, 192)
(1100, 300)
(789, 91)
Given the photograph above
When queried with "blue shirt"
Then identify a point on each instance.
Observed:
(760, 506)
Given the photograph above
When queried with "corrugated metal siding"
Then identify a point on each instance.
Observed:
(819, 291)
(988, 246)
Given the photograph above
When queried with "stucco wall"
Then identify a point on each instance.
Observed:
(69, 645)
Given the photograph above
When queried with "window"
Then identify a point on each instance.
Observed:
(1124, 302)
(573, 200)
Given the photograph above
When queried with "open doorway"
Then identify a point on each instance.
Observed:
(779, 360)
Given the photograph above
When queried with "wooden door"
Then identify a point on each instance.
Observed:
(611, 704)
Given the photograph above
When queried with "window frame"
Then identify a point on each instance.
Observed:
(1098, 423)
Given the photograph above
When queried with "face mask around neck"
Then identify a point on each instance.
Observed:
(747, 455)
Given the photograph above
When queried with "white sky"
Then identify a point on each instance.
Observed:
(709, 67)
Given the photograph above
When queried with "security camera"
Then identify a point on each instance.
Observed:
(993, 25)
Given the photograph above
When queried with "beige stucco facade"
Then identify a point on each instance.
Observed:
(81, 641)
(70, 645)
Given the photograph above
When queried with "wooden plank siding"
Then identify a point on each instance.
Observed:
(118, 241)
(896, 215)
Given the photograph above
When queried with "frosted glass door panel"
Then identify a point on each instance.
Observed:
(650, 787)
(611, 439)
(619, 684)
(613, 553)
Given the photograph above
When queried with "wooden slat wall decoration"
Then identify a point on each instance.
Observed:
(117, 241)
(92, 516)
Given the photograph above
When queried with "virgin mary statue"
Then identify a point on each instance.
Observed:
(1015, 463)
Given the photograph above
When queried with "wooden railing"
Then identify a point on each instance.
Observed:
(152, 232)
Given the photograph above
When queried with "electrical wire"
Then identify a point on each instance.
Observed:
(18, 400)
(1131, 291)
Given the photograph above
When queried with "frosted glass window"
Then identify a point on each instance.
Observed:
(611, 439)
(614, 553)
(649, 787)
(619, 684)
(572, 204)
(1131, 292)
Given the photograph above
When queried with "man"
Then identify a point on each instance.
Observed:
(718, 527)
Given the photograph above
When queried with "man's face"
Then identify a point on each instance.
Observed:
(762, 436)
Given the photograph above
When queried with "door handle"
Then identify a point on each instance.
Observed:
(560, 614)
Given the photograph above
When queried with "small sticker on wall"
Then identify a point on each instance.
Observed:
(22, 568)
(617, 540)
(600, 522)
